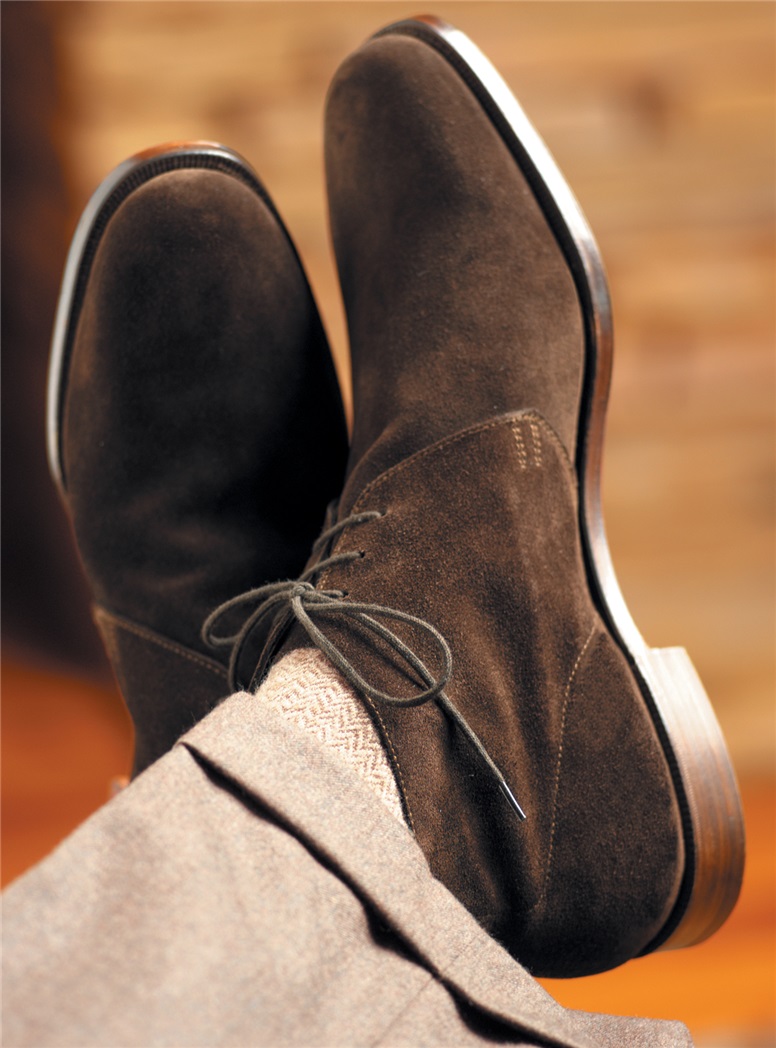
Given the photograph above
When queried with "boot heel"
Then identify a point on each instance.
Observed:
(715, 860)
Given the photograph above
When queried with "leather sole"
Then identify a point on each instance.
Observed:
(703, 776)
(104, 202)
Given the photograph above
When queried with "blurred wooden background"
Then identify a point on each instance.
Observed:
(661, 115)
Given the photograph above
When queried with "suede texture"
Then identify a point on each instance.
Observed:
(148, 665)
(479, 537)
(468, 356)
(203, 431)
(459, 302)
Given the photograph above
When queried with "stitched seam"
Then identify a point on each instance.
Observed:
(522, 460)
(130, 627)
(559, 762)
(441, 975)
(383, 730)
(503, 421)
(537, 444)
(394, 760)
(464, 434)
(405, 1006)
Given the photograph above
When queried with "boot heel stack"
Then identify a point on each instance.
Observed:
(692, 740)
(712, 806)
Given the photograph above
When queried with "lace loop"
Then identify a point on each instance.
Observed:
(303, 602)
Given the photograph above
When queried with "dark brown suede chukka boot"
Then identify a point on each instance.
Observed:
(569, 784)
(195, 424)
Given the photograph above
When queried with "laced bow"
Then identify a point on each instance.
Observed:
(299, 599)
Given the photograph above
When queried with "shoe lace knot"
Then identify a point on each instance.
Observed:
(301, 600)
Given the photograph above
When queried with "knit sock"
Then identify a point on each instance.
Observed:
(304, 687)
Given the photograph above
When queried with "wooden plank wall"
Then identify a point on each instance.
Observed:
(662, 117)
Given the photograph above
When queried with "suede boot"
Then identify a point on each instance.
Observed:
(567, 783)
(195, 424)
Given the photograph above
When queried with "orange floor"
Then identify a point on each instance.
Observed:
(65, 740)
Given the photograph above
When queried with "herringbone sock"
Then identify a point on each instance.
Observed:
(305, 687)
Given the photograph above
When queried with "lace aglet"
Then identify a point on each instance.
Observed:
(512, 800)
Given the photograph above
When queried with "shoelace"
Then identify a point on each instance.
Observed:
(303, 601)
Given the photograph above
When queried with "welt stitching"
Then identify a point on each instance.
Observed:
(145, 634)
(559, 762)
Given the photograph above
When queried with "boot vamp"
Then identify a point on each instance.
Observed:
(203, 431)
(460, 302)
